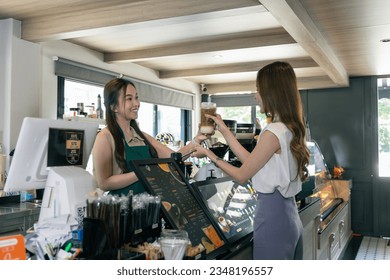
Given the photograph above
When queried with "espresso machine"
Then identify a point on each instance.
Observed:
(245, 134)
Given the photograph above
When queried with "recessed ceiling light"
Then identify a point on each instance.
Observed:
(385, 41)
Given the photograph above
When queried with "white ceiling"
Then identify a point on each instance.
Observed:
(221, 43)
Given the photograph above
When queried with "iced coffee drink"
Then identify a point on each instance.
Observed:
(207, 124)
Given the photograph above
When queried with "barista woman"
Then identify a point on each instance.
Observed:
(277, 165)
(122, 141)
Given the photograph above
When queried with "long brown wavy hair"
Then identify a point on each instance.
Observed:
(114, 90)
(277, 86)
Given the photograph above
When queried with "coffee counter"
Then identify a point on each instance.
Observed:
(17, 218)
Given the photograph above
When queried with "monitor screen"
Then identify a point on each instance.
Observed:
(65, 147)
(44, 143)
(231, 205)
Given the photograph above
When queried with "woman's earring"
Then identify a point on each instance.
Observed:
(269, 118)
(113, 109)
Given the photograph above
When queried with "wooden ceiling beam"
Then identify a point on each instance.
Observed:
(86, 19)
(250, 86)
(298, 23)
(243, 40)
(234, 68)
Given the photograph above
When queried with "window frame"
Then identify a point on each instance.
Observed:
(185, 115)
(378, 126)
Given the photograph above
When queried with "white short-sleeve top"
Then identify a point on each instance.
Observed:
(280, 172)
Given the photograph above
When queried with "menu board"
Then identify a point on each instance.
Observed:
(231, 205)
(164, 178)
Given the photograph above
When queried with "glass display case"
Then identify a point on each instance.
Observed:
(333, 196)
(320, 183)
(328, 228)
(231, 205)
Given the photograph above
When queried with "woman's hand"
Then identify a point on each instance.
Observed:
(190, 148)
(200, 152)
(199, 138)
(194, 147)
(220, 124)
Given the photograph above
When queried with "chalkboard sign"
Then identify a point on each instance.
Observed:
(231, 205)
(181, 205)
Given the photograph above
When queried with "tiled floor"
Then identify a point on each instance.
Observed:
(367, 248)
(374, 248)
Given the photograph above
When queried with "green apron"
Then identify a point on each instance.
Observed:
(133, 153)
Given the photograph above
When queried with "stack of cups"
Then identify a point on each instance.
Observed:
(173, 243)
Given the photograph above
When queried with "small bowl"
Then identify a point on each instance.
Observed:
(220, 151)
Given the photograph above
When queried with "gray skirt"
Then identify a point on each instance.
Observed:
(277, 228)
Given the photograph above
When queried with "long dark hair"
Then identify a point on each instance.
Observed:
(114, 90)
(277, 86)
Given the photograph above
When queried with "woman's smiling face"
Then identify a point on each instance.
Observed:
(129, 104)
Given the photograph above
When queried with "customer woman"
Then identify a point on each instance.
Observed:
(277, 165)
(122, 141)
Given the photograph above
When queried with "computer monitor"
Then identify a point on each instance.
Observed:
(56, 149)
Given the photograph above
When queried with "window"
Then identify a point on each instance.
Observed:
(384, 126)
(169, 120)
(153, 118)
(242, 108)
(243, 114)
(76, 93)
(146, 118)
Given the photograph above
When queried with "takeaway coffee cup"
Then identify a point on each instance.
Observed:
(207, 124)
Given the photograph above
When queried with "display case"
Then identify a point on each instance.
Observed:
(333, 223)
(324, 187)
(231, 205)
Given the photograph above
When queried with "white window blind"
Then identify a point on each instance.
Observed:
(148, 92)
(232, 100)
